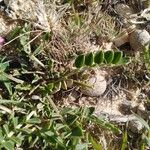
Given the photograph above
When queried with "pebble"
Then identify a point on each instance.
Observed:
(141, 111)
(35, 97)
(98, 85)
(148, 28)
(121, 39)
(138, 39)
(126, 107)
(135, 126)
(124, 10)
(120, 119)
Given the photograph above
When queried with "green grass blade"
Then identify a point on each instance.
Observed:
(95, 144)
(145, 124)
(124, 141)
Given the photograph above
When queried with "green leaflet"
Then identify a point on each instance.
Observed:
(57, 86)
(77, 131)
(89, 59)
(99, 57)
(117, 57)
(109, 56)
(95, 144)
(79, 62)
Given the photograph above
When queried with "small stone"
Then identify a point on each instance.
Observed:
(121, 39)
(40, 107)
(73, 96)
(125, 107)
(35, 97)
(148, 28)
(98, 85)
(124, 10)
(135, 126)
(141, 111)
(6, 2)
(138, 39)
(120, 119)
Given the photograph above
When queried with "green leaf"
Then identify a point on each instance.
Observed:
(38, 50)
(124, 141)
(1, 136)
(25, 38)
(77, 131)
(34, 121)
(117, 57)
(33, 142)
(60, 126)
(49, 133)
(16, 140)
(49, 87)
(88, 111)
(15, 121)
(145, 124)
(79, 62)
(95, 144)
(83, 146)
(147, 140)
(146, 56)
(77, 19)
(6, 129)
(25, 130)
(124, 61)
(104, 124)
(3, 77)
(99, 57)
(89, 59)
(9, 145)
(112, 127)
(3, 101)
(6, 82)
(109, 56)
(47, 36)
(50, 64)
(57, 86)
(23, 87)
(4, 65)
(71, 119)
(14, 33)
(9, 87)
